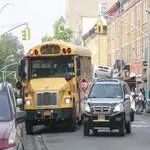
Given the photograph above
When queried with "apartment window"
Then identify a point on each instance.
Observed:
(135, 49)
(133, 53)
(139, 16)
(135, 15)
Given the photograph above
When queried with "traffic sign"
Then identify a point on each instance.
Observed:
(83, 85)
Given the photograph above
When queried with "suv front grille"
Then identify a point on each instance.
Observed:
(47, 98)
(101, 109)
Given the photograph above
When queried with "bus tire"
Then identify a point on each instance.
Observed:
(29, 127)
(73, 120)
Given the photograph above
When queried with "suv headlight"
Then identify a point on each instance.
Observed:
(86, 107)
(67, 100)
(119, 108)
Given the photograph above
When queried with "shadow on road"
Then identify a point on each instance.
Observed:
(52, 129)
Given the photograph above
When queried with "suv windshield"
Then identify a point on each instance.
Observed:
(5, 112)
(106, 91)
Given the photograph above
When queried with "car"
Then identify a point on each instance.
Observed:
(11, 119)
(107, 105)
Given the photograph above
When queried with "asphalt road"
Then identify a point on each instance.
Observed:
(45, 139)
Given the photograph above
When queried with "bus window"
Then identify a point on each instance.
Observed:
(58, 66)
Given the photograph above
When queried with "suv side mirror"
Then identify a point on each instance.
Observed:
(85, 96)
(127, 96)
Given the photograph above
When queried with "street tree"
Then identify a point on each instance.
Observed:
(61, 32)
(10, 45)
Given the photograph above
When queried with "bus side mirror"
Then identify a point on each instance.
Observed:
(78, 66)
(23, 76)
(78, 73)
(21, 69)
(68, 78)
(19, 85)
(78, 62)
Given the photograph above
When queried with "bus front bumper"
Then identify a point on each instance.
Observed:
(42, 115)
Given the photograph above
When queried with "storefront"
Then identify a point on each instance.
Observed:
(136, 69)
(129, 78)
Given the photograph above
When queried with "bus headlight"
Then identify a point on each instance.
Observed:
(28, 102)
(67, 100)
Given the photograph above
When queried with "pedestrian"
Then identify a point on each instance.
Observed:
(141, 99)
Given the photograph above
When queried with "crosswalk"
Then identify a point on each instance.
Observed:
(140, 124)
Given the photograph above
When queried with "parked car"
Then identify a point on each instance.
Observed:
(11, 119)
(107, 106)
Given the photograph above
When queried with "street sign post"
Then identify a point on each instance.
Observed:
(83, 85)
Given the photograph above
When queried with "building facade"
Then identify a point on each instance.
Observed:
(97, 43)
(76, 9)
(127, 35)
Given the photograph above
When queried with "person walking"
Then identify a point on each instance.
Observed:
(141, 100)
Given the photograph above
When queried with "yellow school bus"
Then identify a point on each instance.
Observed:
(49, 83)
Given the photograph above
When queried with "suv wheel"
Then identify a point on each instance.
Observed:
(128, 127)
(95, 132)
(122, 128)
(29, 127)
(85, 129)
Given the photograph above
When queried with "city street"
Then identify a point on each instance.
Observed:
(61, 140)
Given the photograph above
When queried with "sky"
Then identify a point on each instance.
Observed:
(40, 15)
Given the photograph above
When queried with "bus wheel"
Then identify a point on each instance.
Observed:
(73, 120)
(29, 127)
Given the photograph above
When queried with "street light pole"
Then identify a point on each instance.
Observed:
(5, 63)
(148, 61)
(121, 38)
(5, 33)
(2, 69)
(5, 5)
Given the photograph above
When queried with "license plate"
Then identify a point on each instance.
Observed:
(101, 117)
(47, 113)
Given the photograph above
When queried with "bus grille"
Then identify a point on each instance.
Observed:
(47, 98)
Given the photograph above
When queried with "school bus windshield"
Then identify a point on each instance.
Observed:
(56, 66)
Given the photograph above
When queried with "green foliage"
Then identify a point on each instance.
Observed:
(46, 38)
(60, 32)
(9, 45)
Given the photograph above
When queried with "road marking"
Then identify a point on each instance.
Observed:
(140, 124)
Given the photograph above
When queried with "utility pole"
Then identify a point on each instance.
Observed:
(99, 33)
(99, 38)
(148, 61)
(121, 39)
